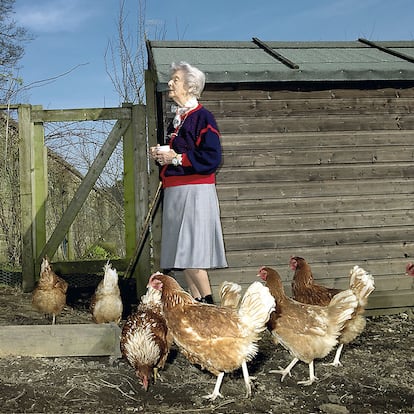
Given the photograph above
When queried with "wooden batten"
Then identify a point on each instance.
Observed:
(60, 340)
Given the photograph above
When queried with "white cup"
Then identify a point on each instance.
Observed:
(163, 148)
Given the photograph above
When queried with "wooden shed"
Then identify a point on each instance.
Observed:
(318, 141)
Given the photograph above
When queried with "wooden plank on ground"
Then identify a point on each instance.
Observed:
(60, 340)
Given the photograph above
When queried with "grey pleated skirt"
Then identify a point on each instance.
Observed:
(192, 236)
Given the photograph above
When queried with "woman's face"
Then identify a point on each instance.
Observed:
(177, 88)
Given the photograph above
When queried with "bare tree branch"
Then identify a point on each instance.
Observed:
(47, 81)
(125, 57)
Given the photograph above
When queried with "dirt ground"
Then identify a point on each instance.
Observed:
(376, 376)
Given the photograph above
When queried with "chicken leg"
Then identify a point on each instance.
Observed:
(336, 362)
(312, 377)
(216, 391)
(247, 380)
(156, 375)
(285, 371)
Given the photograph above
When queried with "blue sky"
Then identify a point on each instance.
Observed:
(72, 35)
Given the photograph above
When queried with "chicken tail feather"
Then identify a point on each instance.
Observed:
(342, 307)
(256, 306)
(361, 283)
(110, 276)
(230, 294)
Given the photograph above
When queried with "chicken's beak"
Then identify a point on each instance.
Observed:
(145, 382)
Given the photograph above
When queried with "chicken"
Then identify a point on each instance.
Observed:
(409, 269)
(106, 303)
(49, 296)
(306, 291)
(362, 284)
(219, 339)
(145, 339)
(230, 294)
(307, 331)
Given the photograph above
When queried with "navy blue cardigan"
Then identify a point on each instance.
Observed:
(198, 140)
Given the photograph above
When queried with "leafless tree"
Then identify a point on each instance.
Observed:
(9, 192)
(125, 56)
(12, 38)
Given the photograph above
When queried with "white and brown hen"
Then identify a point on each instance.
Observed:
(145, 340)
(307, 331)
(305, 290)
(106, 303)
(49, 295)
(219, 339)
(362, 284)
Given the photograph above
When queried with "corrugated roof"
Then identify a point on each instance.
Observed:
(235, 62)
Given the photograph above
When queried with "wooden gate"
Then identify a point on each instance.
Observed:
(130, 125)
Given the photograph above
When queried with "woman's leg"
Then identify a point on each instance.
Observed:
(195, 293)
(198, 282)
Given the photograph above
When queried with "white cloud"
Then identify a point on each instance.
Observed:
(51, 15)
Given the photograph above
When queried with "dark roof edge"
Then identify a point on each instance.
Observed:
(222, 44)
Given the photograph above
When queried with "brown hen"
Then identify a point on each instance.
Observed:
(219, 339)
(307, 331)
(49, 295)
(306, 291)
(304, 288)
(145, 340)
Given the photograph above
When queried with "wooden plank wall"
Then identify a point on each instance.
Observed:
(327, 175)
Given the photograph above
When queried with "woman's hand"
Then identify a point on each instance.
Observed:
(153, 152)
(161, 156)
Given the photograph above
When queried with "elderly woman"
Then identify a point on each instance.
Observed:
(192, 237)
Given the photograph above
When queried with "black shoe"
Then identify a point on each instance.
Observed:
(208, 299)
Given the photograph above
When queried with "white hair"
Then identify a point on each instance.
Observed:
(194, 78)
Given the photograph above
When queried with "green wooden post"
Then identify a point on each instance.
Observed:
(39, 189)
(26, 167)
(143, 270)
(129, 154)
(139, 190)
